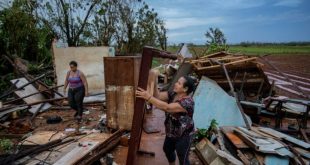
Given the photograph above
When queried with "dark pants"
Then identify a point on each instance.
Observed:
(76, 97)
(181, 145)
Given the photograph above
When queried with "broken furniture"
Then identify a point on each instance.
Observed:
(282, 107)
(146, 63)
(256, 146)
(121, 80)
(246, 74)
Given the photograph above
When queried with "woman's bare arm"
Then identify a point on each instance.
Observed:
(162, 105)
(66, 82)
(161, 95)
(84, 80)
(170, 108)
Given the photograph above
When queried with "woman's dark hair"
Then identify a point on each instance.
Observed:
(74, 63)
(189, 84)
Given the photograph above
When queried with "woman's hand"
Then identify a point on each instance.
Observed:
(141, 93)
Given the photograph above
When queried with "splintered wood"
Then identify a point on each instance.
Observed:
(245, 72)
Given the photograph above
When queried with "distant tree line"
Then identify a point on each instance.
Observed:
(27, 27)
(248, 43)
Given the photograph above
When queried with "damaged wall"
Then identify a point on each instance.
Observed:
(89, 61)
(212, 102)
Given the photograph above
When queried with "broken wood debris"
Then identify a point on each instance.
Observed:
(253, 144)
(246, 72)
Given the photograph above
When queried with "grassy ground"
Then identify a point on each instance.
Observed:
(271, 49)
(254, 50)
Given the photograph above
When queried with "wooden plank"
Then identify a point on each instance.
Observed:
(233, 138)
(125, 106)
(220, 59)
(134, 142)
(244, 159)
(43, 137)
(215, 55)
(236, 141)
(52, 157)
(77, 153)
(265, 145)
(137, 122)
(41, 91)
(228, 64)
(120, 84)
(13, 109)
(101, 149)
(120, 71)
(303, 152)
(212, 155)
(30, 89)
(286, 137)
(304, 135)
(256, 130)
(111, 104)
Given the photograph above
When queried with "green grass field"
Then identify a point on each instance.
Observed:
(254, 50)
(271, 49)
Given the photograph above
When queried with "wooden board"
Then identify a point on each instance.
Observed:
(27, 90)
(233, 138)
(121, 77)
(77, 153)
(211, 155)
(237, 142)
(286, 137)
(43, 137)
(122, 71)
(61, 151)
(120, 106)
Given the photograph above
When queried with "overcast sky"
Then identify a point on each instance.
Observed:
(240, 20)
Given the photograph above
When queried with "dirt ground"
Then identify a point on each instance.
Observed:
(89, 121)
(295, 67)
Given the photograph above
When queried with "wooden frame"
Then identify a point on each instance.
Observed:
(146, 64)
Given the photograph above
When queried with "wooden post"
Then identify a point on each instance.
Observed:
(136, 130)
(137, 121)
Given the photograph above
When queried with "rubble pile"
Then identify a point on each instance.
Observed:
(242, 118)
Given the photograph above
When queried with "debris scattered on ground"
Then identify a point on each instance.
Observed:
(241, 116)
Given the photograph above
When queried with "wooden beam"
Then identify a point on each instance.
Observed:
(12, 101)
(136, 130)
(304, 135)
(34, 80)
(227, 64)
(220, 59)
